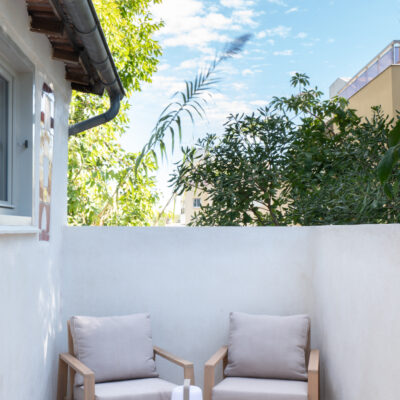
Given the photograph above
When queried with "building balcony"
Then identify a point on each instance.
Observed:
(389, 56)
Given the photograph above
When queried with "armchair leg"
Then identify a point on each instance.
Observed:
(62, 380)
(314, 387)
(314, 376)
(209, 381)
(188, 373)
(88, 387)
(72, 374)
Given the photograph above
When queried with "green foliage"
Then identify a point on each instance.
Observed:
(390, 159)
(167, 218)
(300, 160)
(102, 189)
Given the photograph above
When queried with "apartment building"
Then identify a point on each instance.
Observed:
(378, 83)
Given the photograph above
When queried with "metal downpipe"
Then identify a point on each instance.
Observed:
(101, 119)
(84, 18)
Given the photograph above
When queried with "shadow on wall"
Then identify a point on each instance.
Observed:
(29, 306)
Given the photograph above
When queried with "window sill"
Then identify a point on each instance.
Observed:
(18, 230)
(13, 225)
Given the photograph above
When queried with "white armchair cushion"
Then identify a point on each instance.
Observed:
(137, 389)
(259, 389)
(115, 348)
(270, 347)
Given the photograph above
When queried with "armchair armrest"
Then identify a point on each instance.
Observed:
(209, 370)
(188, 368)
(76, 365)
(313, 375)
(66, 361)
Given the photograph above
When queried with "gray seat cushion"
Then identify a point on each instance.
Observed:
(259, 389)
(269, 347)
(137, 389)
(115, 348)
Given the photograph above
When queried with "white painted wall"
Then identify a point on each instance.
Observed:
(29, 269)
(337, 86)
(356, 310)
(189, 279)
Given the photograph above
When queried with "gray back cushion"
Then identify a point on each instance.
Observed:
(269, 347)
(115, 348)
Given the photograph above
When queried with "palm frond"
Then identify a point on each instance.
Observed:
(190, 101)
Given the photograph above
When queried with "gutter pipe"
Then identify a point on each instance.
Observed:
(87, 26)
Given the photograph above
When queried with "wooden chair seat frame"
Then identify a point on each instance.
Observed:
(69, 365)
(222, 355)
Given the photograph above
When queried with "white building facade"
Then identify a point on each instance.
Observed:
(29, 269)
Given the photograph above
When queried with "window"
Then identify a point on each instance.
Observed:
(196, 203)
(4, 138)
(17, 128)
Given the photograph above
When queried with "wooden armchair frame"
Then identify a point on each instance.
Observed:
(69, 365)
(222, 355)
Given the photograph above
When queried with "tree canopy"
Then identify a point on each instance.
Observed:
(102, 187)
(300, 160)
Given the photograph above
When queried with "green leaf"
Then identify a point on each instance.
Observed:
(387, 163)
(388, 190)
(394, 135)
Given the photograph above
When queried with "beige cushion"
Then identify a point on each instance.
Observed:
(271, 347)
(137, 389)
(259, 389)
(115, 348)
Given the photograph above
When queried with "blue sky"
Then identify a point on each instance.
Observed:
(325, 39)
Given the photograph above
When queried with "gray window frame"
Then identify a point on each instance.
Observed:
(8, 76)
(195, 199)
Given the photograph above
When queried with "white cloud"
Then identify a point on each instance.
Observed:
(217, 21)
(311, 42)
(278, 2)
(251, 71)
(237, 3)
(195, 63)
(259, 51)
(228, 69)
(239, 86)
(247, 72)
(200, 39)
(167, 85)
(222, 105)
(245, 17)
(189, 64)
(331, 40)
(292, 10)
(259, 103)
(283, 53)
(301, 35)
(192, 24)
(279, 31)
(163, 67)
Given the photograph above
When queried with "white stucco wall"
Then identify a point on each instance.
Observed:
(189, 279)
(356, 314)
(29, 269)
